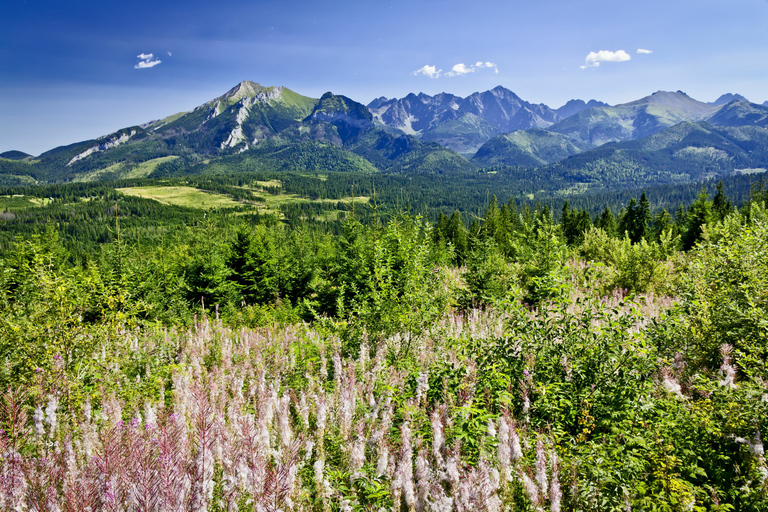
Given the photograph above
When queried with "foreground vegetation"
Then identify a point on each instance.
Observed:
(233, 362)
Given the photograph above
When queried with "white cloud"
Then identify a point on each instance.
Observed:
(147, 60)
(430, 71)
(488, 65)
(643, 50)
(460, 69)
(594, 59)
(169, 54)
(457, 70)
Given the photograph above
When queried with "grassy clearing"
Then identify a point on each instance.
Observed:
(19, 202)
(144, 169)
(98, 175)
(182, 196)
(121, 170)
(195, 198)
(270, 183)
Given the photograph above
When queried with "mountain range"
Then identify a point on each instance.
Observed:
(465, 124)
(664, 137)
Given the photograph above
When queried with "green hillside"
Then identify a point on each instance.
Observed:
(532, 148)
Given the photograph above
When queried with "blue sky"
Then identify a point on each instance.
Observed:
(70, 71)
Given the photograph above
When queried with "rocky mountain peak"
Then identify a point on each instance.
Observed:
(727, 98)
(575, 106)
(248, 89)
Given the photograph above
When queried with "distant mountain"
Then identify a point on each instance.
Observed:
(765, 103)
(597, 126)
(682, 153)
(727, 98)
(273, 128)
(665, 137)
(243, 116)
(355, 130)
(576, 106)
(532, 148)
(349, 117)
(462, 124)
(741, 113)
(15, 155)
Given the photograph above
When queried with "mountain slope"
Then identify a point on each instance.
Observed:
(741, 113)
(276, 128)
(15, 155)
(652, 114)
(727, 98)
(244, 115)
(685, 152)
(532, 148)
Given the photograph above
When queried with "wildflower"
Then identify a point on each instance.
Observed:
(530, 489)
(38, 418)
(670, 383)
(422, 480)
(358, 455)
(383, 461)
(726, 369)
(555, 493)
(150, 417)
(491, 428)
(438, 439)
(517, 452)
(504, 454)
(541, 467)
(322, 413)
(405, 467)
(422, 386)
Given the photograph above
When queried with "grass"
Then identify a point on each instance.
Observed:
(195, 198)
(270, 183)
(19, 202)
(141, 170)
(182, 196)
(144, 169)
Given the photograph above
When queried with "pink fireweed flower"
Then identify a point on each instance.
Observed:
(504, 451)
(438, 438)
(422, 386)
(531, 489)
(555, 493)
(541, 468)
(405, 467)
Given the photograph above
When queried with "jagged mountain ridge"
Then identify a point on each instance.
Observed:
(462, 124)
(575, 106)
(274, 124)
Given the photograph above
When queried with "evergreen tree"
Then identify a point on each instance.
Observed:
(456, 234)
(634, 221)
(699, 213)
(721, 205)
(606, 221)
(661, 222)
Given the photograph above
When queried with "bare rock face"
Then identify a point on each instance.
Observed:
(110, 141)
